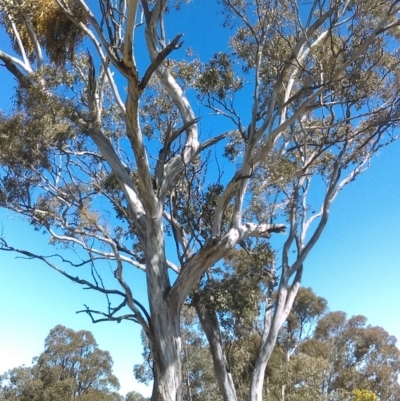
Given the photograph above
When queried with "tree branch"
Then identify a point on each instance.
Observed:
(156, 62)
(12, 64)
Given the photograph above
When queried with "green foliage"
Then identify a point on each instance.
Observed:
(307, 309)
(237, 289)
(193, 203)
(319, 355)
(135, 396)
(71, 367)
(217, 78)
(360, 356)
(199, 381)
(363, 395)
(299, 378)
(50, 25)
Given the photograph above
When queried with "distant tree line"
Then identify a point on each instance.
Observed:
(320, 356)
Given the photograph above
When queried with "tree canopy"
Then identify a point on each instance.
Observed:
(104, 151)
(71, 367)
(134, 396)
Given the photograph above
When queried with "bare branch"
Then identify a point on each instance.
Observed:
(162, 55)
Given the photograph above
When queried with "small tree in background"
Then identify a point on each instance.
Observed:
(71, 367)
(135, 396)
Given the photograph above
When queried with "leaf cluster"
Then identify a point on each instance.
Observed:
(236, 290)
(217, 78)
(50, 25)
(71, 367)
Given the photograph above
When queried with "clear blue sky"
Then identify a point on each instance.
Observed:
(355, 265)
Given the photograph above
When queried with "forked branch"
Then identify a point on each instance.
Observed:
(162, 55)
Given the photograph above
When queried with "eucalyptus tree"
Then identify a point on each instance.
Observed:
(103, 148)
(71, 367)
(360, 356)
(134, 396)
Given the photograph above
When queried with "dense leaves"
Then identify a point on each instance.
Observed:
(361, 356)
(44, 21)
(320, 355)
(71, 367)
(135, 396)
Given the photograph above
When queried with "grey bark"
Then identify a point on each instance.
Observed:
(209, 324)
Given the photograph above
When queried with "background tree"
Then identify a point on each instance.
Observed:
(228, 302)
(361, 357)
(333, 358)
(71, 367)
(309, 93)
(301, 378)
(199, 382)
(134, 396)
(307, 310)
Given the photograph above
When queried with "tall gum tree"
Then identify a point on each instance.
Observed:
(106, 157)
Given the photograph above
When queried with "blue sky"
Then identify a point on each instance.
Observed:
(355, 265)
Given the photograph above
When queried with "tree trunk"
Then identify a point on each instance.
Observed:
(211, 329)
(166, 351)
(165, 332)
(257, 381)
(272, 325)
